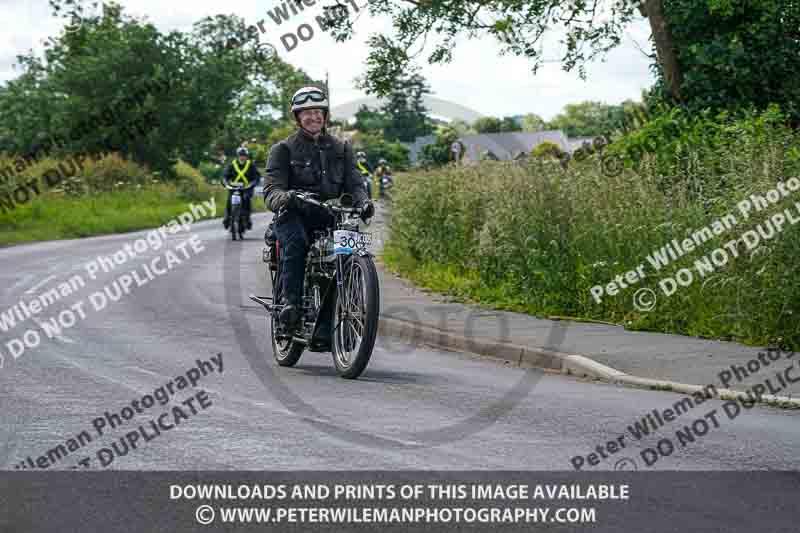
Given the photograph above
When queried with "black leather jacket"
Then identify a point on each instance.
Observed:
(325, 167)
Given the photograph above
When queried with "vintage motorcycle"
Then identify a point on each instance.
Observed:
(387, 182)
(238, 217)
(341, 294)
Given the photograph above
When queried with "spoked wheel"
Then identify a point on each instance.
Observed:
(286, 351)
(355, 319)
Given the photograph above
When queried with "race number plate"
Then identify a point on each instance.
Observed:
(236, 199)
(347, 242)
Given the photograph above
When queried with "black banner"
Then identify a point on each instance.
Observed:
(399, 501)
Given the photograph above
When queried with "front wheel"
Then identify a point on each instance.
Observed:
(235, 222)
(355, 319)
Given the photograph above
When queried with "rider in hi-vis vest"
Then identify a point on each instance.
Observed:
(363, 166)
(241, 172)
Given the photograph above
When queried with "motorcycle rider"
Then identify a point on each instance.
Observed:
(242, 172)
(310, 160)
(366, 171)
(384, 176)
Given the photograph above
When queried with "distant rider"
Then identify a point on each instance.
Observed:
(366, 171)
(242, 172)
(383, 173)
(310, 160)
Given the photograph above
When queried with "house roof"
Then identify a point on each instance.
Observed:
(507, 146)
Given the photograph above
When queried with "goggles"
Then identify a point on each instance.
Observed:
(315, 96)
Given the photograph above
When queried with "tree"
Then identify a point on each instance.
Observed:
(496, 125)
(488, 125)
(377, 148)
(532, 122)
(736, 54)
(509, 124)
(721, 54)
(406, 111)
(95, 82)
(587, 119)
(370, 120)
(592, 28)
(439, 153)
(462, 127)
(262, 104)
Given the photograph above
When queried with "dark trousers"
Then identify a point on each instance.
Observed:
(294, 231)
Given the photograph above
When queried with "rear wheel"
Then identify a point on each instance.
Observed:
(286, 350)
(355, 319)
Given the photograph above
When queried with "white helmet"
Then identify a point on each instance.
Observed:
(309, 98)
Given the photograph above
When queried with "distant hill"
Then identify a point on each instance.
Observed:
(435, 106)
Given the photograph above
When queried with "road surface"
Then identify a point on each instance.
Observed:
(414, 408)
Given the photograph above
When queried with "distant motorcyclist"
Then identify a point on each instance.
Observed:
(310, 160)
(366, 171)
(241, 172)
(383, 173)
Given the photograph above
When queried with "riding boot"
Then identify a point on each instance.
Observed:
(226, 219)
(289, 317)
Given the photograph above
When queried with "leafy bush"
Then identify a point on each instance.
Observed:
(78, 175)
(191, 184)
(694, 150)
(547, 149)
(211, 171)
(377, 148)
(439, 153)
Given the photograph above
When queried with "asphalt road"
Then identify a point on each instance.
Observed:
(414, 408)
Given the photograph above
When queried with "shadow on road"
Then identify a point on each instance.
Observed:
(372, 376)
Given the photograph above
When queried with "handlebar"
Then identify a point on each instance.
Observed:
(239, 186)
(328, 205)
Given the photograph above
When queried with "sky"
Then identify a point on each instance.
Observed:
(478, 77)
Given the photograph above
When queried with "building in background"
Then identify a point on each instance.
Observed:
(509, 146)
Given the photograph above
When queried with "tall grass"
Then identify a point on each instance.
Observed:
(537, 238)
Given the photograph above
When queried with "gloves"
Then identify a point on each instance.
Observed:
(367, 210)
(292, 203)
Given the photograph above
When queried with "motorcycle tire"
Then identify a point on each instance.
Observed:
(352, 340)
(235, 222)
(286, 351)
